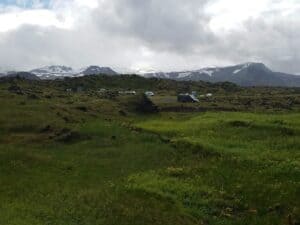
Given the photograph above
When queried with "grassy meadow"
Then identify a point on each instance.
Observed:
(86, 159)
(239, 168)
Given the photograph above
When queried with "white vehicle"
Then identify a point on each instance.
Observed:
(149, 93)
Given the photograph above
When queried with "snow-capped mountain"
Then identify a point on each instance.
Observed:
(54, 72)
(247, 74)
(91, 70)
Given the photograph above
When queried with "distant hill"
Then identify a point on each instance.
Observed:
(24, 75)
(247, 74)
(93, 70)
(59, 72)
(134, 82)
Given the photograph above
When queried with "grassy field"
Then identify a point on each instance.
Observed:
(81, 159)
(239, 168)
(50, 175)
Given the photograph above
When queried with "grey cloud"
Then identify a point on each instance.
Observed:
(32, 46)
(273, 42)
(176, 32)
(166, 25)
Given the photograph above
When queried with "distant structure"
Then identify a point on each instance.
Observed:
(187, 98)
(149, 93)
(209, 95)
(127, 92)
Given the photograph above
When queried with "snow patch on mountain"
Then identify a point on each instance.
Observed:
(237, 71)
(184, 74)
(208, 71)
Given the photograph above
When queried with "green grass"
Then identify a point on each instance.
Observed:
(47, 179)
(239, 168)
(81, 183)
(74, 159)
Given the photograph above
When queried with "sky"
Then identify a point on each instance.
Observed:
(147, 35)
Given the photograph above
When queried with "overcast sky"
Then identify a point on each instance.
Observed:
(162, 35)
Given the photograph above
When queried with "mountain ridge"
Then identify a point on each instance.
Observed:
(246, 74)
(60, 71)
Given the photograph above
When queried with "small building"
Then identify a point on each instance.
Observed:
(187, 98)
(149, 93)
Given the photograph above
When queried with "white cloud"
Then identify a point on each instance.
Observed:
(87, 3)
(39, 17)
(62, 14)
(156, 34)
(231, 14)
